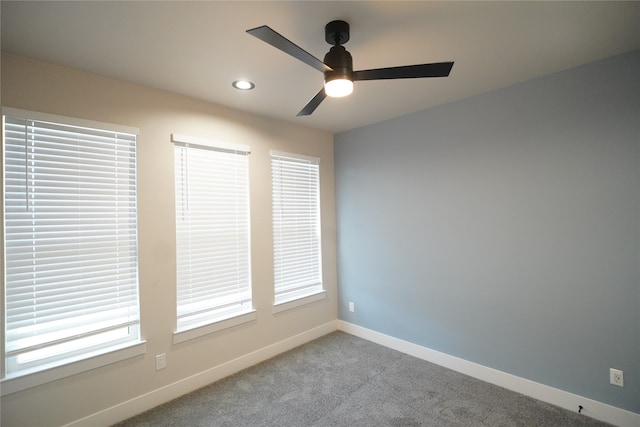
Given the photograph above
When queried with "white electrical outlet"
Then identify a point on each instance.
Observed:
(616, 377)
(161, 361)
(352, 307)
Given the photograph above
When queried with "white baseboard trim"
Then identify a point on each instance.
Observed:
(164, 394)
(554, 396)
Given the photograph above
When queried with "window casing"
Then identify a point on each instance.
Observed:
(70, 236)
(296, 226)
(212, 231)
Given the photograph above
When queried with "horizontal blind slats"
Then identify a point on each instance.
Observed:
(296, 226)
(71, 238)
(212, 233)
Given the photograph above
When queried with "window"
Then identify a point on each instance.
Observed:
(212, 231)
(70, 223)
(296, 226)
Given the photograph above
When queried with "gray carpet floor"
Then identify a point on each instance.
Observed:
(342, 380)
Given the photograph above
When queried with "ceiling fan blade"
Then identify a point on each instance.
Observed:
(313, 104)
(268, 35)
(438, 69)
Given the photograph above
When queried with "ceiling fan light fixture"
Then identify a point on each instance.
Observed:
(339, 81)
(338, 88)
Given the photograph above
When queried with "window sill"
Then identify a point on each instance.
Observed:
(20, 382)
(294, 303)
(199, 331)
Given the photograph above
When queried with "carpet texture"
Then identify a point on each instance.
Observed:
(342, 380)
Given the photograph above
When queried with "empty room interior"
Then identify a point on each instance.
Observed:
(185, 196)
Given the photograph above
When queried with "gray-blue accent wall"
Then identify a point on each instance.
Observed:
(504, 228)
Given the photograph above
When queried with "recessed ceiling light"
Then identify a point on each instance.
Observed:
(243, 85)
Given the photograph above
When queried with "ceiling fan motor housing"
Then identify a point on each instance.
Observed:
(339, 59)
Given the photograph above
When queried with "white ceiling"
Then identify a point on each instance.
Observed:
(199, 48)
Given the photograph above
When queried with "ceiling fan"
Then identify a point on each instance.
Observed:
(338, 64)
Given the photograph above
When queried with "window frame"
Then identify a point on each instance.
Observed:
(90, 357)
(317, 291)
(240, 314)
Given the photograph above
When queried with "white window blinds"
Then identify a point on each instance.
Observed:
(212, 231)
(296, 226)
(71, 288)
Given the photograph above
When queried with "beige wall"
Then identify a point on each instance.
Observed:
(42, 87)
